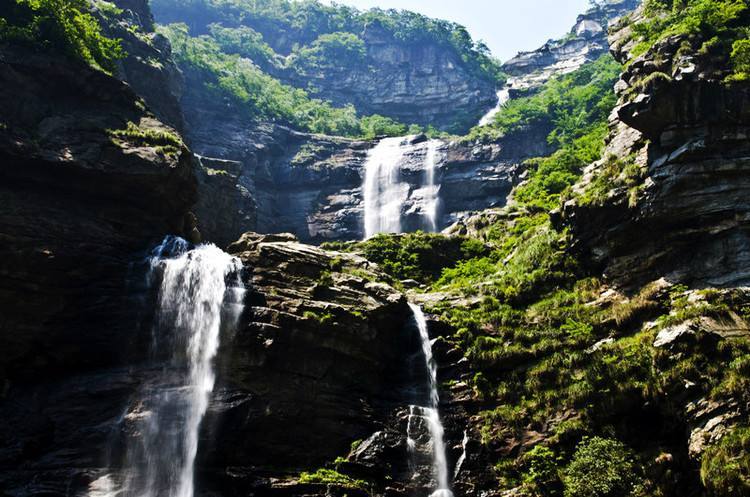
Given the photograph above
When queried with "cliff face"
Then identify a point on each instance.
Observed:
(420, 83)
(274, 180)
(683, 133)
(88, 180)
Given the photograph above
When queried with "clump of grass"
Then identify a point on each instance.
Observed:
(163, 141)
(332, 477)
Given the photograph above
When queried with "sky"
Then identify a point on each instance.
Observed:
(507, 26)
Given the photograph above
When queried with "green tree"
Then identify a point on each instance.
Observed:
(59, 26)
(601, 467)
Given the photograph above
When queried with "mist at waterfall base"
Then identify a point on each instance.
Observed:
(430, 412)
(386, 193)
(200, 294)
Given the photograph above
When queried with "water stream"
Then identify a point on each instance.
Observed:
(430, 412)
(503, 96)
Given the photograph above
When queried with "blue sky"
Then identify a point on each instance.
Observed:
(507, 26)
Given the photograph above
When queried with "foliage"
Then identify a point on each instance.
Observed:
(163, 141)
(321, 318)
(419, 256)
(601, 468)
(333, 477)
(740, 58)
(570, 103)
(245, 42)
(542, 474)
(339, 49)
(232, 78)
(573, 108)
(725, 466)
(59, 26)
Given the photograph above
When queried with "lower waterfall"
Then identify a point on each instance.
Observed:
(200, 292)
(430, 413)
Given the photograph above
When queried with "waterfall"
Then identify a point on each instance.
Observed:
(384, 193)
(430, 413)
(433, 189)
(502, 98)
(200, 292)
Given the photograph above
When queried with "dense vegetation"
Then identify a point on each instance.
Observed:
(531, 311)
(296, 26)
(235, 80)
(59, 26)
(721, 26)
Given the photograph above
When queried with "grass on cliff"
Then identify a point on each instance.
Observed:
(722, 26)
(64, 27)
(332, 477)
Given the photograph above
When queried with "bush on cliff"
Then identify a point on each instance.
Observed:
(59, 26)
(601, 467)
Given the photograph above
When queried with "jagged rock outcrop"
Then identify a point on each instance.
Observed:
(675, 167)
(147, 66)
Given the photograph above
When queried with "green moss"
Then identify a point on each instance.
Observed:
(322, 318)
(332, 477)
(165, 142)
(614, 173)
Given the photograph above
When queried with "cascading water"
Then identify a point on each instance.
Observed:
(384, 193)
(433, 189)
(430, 413)
(502, 98)
(200, 292)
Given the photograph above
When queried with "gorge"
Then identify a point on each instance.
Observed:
(295, 249)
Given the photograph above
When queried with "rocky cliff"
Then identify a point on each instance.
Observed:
(674, 166)
(90, 179)
(272, 179)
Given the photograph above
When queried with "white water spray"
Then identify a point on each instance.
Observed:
(439, 460)
(384, 193)
(200, 292)
(502, 98)
(433, 189)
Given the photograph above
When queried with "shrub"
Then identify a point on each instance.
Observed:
(725, 467)
(601, 467)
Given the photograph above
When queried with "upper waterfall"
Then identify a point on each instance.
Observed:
(503, 95)
(388, 187)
